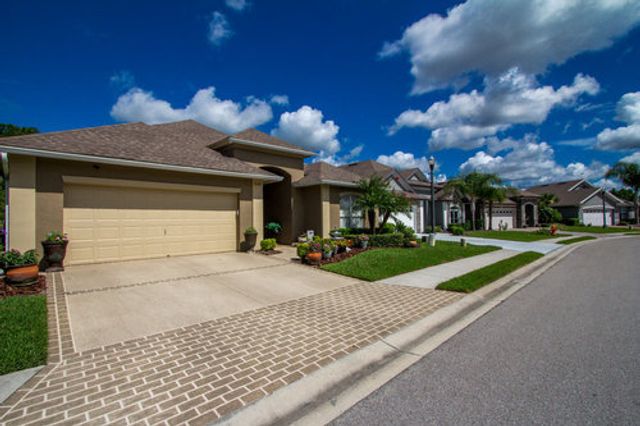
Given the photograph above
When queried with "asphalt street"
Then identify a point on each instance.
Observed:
(563, 350)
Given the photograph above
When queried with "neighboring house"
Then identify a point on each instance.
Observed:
(580, 200)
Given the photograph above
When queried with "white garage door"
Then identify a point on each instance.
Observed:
(593, 217)
(502, 217)
(106, 224)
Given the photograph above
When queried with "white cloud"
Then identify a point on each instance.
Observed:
(279, 99)
(222, 114)
(491, 37)
(466, 119)
(633, 158)
(529, 162)
(307, 128)
(626, 137)
(404, 160)
(238, 5)
(219, 29)
(123, 80)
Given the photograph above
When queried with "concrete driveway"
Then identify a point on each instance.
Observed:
(111, 303)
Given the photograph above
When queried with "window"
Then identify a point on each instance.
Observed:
(350, 215)
(455, 214)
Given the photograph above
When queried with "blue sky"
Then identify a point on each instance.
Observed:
(503, 87)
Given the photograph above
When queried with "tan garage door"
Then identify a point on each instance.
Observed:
(106, 224)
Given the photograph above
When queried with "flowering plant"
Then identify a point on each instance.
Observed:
(56, 237)
(315, 247)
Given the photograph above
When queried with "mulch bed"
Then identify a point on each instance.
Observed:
(40, 287)
(342, 256)
(269, 252)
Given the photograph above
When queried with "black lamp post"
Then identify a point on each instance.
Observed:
(432, 165)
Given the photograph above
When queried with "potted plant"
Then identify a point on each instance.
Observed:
(21, 269)
(315, 252)
(250, 238)
(55, 250)
(273, 229)
(328, 248)
(363, 241)
(302, 249)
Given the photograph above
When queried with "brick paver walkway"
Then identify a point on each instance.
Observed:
(199, 373)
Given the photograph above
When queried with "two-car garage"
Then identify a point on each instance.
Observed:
(114, 220)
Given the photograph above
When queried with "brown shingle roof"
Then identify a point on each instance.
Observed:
(368, 168)
(321, 172)
(256, 135)
(183, 143)
(564, 192)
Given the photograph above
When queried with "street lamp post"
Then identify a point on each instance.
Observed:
(432, 165)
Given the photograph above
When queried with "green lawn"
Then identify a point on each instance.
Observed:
(576, 240)
(383, 263)
(23, 332)
(593, 229)
(480, 277)
(523, 236)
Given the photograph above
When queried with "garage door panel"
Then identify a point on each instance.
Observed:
(109, 224)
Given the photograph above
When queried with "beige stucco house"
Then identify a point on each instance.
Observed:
(134, 191)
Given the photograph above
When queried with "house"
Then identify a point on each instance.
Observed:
(578, 199)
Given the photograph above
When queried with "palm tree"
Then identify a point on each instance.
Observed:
(474, 187)
(629, 175)
(496, 194)
(392, 204)
(546, 213)
(373, 193)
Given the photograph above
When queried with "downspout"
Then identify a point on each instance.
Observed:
(5, 184)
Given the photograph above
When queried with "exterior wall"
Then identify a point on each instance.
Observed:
(258, 209)
(568, 212)
(294, 166)
(334, 207)
(49, 196)
(311, 197)
(22, 203)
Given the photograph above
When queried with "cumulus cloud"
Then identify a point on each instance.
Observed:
(238, 5)
(279, 99)
(625, 137)
(466, 119)
(529, 162)
(307, 128)
(222, 114)
(633, 158)
(404, 160)
(219, 29)
(491, 37)
(122, 80)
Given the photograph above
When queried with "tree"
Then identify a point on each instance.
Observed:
(623, 194)
(372, 194)
(474, 187)
(496, 194)
(13, 130)
(629, 175)
(392, 204)
(546, 213)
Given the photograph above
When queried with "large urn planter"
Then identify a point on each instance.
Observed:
(54, 254)
(250, 239)
(314, 257)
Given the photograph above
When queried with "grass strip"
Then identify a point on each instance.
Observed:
(383, 263)
(576, 240)
(480, 277)
(523, 236)
(23, 332)
(593, 229)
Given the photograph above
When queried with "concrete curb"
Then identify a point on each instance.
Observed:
(328, 392)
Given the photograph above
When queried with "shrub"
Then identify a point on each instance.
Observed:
(388, 228)
(315, 246)
(387, 240)
(250, 231)
(273, 228)
(15, 258)
(572, 221)
(548, 215)
(456, 230)
(268, 244)
(302, 250)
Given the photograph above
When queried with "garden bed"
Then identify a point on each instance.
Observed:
(269, 252)
(38, 288)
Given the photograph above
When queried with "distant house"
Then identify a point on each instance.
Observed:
(578, 199)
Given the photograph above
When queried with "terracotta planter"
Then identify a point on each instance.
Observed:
(22, 275)
(314, 257)
(54, 254)
(250, 241)
(412, 244)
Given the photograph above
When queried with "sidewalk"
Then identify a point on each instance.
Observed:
(431, 277)
(540, 247)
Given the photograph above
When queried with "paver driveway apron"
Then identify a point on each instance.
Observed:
(111, 303)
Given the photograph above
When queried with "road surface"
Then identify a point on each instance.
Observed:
(563, 350)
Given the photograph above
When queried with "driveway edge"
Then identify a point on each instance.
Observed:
(330, 391)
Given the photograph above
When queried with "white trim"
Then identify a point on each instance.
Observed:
(93, 181)
(266, 146)
(134, 163)
(590, 196)
(577, 184)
